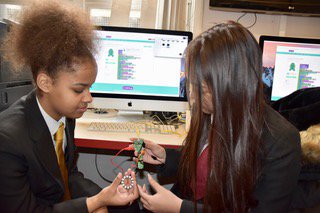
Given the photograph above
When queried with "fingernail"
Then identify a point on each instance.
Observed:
(149, 176)
(119, 175)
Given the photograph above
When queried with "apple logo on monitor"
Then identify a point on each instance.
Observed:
(130, 104)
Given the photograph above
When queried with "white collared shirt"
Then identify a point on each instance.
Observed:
(53, 125)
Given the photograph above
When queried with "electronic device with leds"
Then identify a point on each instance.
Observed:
(127, 182)
(138, 145)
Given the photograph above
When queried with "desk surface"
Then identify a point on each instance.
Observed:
(111, 140)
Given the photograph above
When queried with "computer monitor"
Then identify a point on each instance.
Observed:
(140, 69)
(289, 64)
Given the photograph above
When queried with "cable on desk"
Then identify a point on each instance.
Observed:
(105, 179)
(112, 162)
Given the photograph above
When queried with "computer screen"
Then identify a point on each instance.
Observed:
(289, 64)
(140, 69)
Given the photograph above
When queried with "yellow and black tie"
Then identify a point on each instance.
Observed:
(58, 137)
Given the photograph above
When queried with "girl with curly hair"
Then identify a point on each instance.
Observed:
(37, 152)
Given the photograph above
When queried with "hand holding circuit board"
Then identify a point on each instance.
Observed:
(147, 152)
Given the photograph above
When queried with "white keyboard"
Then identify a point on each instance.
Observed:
(132, 127)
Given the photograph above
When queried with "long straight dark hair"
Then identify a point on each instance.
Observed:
(227, 59)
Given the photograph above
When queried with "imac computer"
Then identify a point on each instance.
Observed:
(140, 69)
(289, 64)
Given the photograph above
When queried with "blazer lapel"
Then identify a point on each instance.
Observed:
(40, 134)
(70, 145)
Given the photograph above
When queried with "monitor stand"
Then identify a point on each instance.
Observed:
(99, 115)
(130, 116)
(106, 112)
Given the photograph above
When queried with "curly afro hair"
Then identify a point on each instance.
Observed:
(51, 35)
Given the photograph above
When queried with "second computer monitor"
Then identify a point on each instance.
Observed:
(289, 64)
(140, 69)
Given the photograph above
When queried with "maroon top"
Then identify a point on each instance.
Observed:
(202, 172)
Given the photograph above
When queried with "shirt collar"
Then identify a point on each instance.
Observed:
(52, 124)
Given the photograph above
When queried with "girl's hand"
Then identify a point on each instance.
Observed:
(116, 195)
(163, 201)
(132, 190)
(154, 153)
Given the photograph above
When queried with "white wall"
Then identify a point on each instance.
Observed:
(293, 26)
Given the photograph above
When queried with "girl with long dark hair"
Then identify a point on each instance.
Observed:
(239, 154)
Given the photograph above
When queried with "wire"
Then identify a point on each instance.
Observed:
(138, 132)
(244, 14)
(117, 165)
(182, 117)
(168, 118)
(177, 117)
(255, 19)
(158, 118)
(113, 163)
(105, 179)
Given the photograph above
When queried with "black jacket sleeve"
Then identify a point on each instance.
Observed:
(171, 166)
(16, 194)
(80, 186)
(280, 172)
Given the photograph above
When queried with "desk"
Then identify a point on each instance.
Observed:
(117, 141)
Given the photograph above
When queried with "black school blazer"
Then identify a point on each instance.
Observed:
(30, 179)
(281, 164)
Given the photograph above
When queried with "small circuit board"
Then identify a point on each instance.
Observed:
(127, 182)
(139, 148)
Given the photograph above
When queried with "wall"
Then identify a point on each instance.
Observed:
(293, 26)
